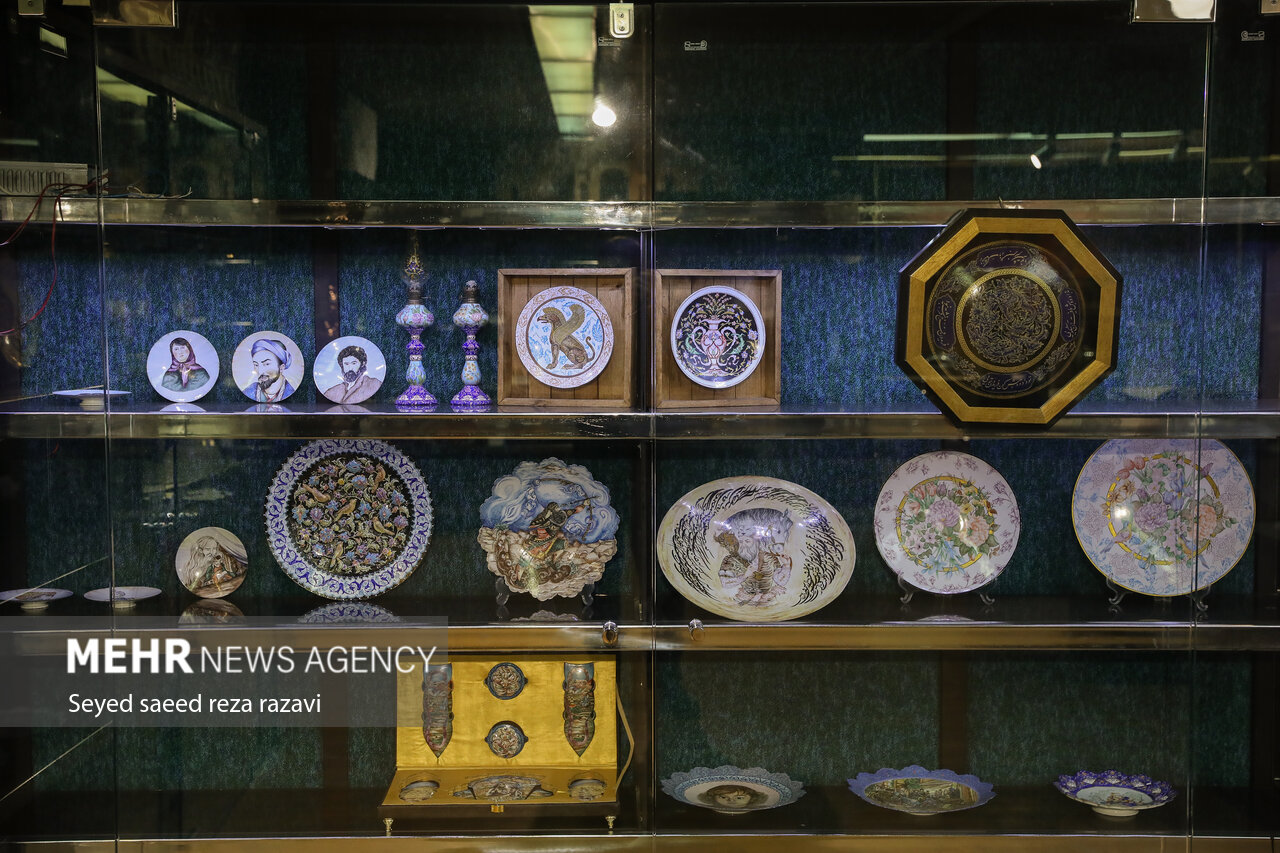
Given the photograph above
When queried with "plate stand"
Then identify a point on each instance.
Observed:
(1117, 595)
(909, 591)
(1197, 598)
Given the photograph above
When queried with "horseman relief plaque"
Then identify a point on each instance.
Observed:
(717, 338)
(565, 338)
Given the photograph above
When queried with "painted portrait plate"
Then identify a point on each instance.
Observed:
(564, 337)
(122, 593)
(211, 562)
(733, 790)
(548, 529)
(182, 366)
(348, 518)
(1115, 794)
(946, 522)
(1163, 516)
(755, 549)
(918, 791)
(349, 370)
(717, 337)
(268, 367)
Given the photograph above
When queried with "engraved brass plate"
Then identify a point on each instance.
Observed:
(1008, 316)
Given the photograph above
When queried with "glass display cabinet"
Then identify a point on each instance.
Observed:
(214, 170)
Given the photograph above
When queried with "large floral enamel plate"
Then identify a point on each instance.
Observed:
(564, 337)
(755, 549)
(348, 518)
(733, 790)
(946, 522)
(1163, 516)
(717, 337)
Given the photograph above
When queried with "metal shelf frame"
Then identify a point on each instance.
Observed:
(349, 214)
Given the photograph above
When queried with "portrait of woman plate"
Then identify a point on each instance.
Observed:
(349, 369)
(564, 337)
(755, 549)
(268, 367)
(348, 518)
(946, 522)
(1163, 516)
(182, 366)
(733, 790)
(211, 562)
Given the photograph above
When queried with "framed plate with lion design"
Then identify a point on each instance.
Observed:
(348, 518)
(564, 337)
(946, 522)
(1162, 516)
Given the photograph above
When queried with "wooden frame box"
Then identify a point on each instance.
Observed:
(613, 387)
(672, 389)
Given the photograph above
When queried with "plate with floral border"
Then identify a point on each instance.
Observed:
(947, 522)
(34, 598)
(1115, 794)
(1163, 516)
(918, 791)
(348, 518)
(733, 790)
(717, 337)
(755, 549)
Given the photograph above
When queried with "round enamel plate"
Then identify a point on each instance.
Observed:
(1163, 516)
(755, 549)
(564, 337)
(211, 562)
(349, 370)
(717, 337)
(918, 791)
(122, 593)
(268, 367)
(348, 518)
(182, 366)
(733, 790)
(946, 522)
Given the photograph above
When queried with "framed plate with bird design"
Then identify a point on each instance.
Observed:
(565, 338)
(348, 518)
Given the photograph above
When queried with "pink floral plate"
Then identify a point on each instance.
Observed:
(1163, 516)
(947, 522)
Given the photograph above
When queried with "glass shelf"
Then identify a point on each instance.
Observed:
(47, 417)
(342, 214)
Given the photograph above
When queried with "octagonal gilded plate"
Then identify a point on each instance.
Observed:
(1008, 317)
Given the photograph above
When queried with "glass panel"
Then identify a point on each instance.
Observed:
(434, 102)
(914, 102)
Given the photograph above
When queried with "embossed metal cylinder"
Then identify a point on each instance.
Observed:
(470, 317)
(413, 318)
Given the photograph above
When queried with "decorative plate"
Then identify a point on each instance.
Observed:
(182, 366)
(348, 518)
(946, 522)
(211, 562)
(90, 398)
(268, 367)
(122, 593)
(915, 790)
(755, 549)
(717, 337)
(505, 681)
(419, 791)
(349, 369)
(1008, 316)
(564, 337)
(732, 790)
(211, 611)
(506, 739)
(1115, 794)
(1163, 516)
(35, 598)
(348, 613)
(548, 529)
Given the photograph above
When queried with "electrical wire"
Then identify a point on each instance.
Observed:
(63, 189)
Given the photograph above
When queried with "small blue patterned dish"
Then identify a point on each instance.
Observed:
(1115, 794)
